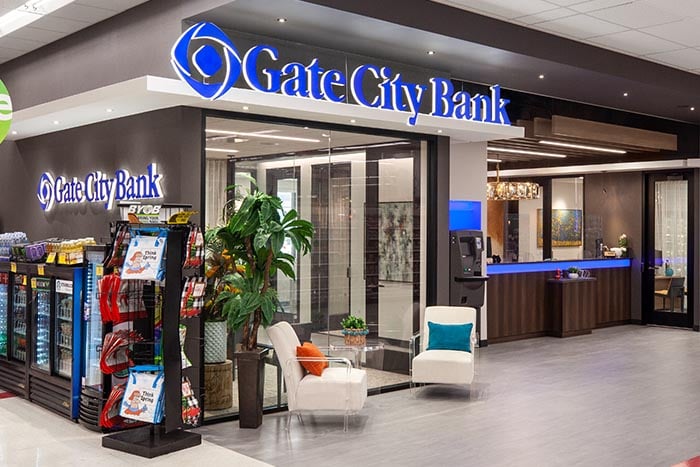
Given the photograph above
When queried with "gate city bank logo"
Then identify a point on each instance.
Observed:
(98, 187)
(205, 58)
(5, 112)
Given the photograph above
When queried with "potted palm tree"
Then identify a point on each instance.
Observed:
(254, 236)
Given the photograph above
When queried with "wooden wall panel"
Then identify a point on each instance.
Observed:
(518, 304)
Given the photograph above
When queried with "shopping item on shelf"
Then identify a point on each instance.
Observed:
(194, 254)
(184, 361)
(115, 257)
(144, 394)
(115, 351)
(192, 301)
(7, 240)
(144, 258)
(191, 412)
(110, 418)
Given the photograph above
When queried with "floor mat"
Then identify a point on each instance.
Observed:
(5, 395)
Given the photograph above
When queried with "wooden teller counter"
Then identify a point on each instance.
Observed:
(527, 300)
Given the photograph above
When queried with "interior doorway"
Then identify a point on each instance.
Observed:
(668, 272)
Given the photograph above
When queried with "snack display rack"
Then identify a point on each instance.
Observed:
(154, 338)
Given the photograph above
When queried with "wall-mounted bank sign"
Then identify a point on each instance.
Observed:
(205, 58)
(99, 187)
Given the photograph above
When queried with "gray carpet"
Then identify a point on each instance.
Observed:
(625, 396)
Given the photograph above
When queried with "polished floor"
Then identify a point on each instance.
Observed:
(625, 396)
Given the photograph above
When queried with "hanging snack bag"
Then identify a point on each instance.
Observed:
(144, 394)
(144, 258)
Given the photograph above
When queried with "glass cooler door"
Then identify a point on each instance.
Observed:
(93, 328)
(41, 312)
(63, 353)
(19, 318)
(4, 286)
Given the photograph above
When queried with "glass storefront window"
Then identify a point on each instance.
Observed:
(362, 192)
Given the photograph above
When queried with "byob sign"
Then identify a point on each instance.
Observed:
(99, 187)
(5, 112)
(205, 58)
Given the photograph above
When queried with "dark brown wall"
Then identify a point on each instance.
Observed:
(171, 138)
(617, 201)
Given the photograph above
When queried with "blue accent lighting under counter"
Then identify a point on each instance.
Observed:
(544, 266)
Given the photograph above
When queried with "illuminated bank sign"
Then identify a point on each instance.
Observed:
(99, 187)
(205, 58)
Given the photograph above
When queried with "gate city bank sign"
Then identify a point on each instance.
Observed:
(99, 187)
(205, 58)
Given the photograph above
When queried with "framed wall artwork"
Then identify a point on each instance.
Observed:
(396, 241)
(567, 228)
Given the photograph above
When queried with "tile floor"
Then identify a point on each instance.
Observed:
(625, 396)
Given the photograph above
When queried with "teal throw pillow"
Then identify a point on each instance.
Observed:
(449, 336)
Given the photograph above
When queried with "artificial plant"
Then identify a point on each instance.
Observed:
(254, 236)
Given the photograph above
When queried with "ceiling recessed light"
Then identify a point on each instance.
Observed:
(494, 160)
(582, 146)
(109, 110)
(14, 132)
(245, 107)
(439, 131)
(431, 52)
(527, 153)
(281, 20)
(56, 122)
(325, 135)
(692, 109)
(353, 120)
(541, 77)
(625, 94)
(306, 127)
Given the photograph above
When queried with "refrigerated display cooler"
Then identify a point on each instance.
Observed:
(4, 301)
(56, 336)
(14, 332)
(92, 396)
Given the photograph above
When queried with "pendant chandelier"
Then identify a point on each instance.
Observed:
(508, 191)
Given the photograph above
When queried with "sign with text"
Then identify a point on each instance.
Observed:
(99, 187)
(206, 59)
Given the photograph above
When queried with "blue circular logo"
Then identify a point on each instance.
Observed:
(205, 58)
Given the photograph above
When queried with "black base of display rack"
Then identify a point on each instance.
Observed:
(150, 441)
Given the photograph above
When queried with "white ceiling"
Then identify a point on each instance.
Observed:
(662, 31)
(60, 23)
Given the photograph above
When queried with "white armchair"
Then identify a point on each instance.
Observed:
(444, 366)
(341, 388)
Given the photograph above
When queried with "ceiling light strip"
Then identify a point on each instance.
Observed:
(259, 135)
(525, 152)
(582, 146)
(222, 150)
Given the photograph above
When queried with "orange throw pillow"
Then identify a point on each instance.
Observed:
(310, 350)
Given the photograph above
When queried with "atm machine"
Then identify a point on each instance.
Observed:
(467, 283)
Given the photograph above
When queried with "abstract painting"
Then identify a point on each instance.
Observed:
(567, 227)
(396, 242)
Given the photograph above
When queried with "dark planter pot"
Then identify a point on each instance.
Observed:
(251, 381)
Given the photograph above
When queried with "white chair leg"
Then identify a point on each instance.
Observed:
(289, 420)
(345, 422)
(301, 420)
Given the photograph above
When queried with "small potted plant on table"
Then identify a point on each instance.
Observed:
(355, 330)
(573, 272)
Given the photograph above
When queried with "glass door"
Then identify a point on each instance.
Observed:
(284, 182)
(63, 353)
(19, 318)
(668, 265)
(4, 288)
(41, 313)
